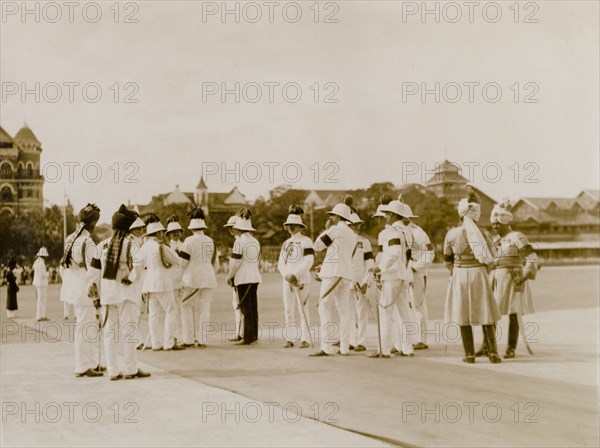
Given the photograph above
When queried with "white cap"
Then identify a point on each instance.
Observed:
(153, 228)
(379, 213)
(173, 226)
(43, 252)
(341, 210)
(294, 220)
(410, 212)
(398, 208)
(245, 225)
(356, 219)
(231, 221)
(137, 224)
(197, 224)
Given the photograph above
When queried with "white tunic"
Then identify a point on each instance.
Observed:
(40, 273)
(296, 258)
(246, 249)
(80, 275)
(362, 261)
(340, 241)
(199, 272)
(157, 278)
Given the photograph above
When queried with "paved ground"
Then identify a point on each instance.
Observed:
(263, 394)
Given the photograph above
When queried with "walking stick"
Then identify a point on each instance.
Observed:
(239, 323)
(296, 290)
(523, 335)
(194, 323)
(359, 293)
(379, 353)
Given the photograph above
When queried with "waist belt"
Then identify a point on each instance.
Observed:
(509, 262)
(468, 264)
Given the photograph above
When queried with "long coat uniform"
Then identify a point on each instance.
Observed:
(514, 257)
(469, 299)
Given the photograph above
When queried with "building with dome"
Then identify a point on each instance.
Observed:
(21, 184)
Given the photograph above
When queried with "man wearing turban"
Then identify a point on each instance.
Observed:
(515, 264)
(470, 300)
(78, 274)
(119, 298)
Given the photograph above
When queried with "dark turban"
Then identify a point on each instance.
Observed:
(89, 214)
(121, 221)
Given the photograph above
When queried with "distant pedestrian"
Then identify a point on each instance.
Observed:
(40, 281)
(12, 290)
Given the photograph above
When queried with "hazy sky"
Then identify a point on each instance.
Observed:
(374, 58)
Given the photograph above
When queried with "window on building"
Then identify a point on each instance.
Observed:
(6, 194)
(6, 171)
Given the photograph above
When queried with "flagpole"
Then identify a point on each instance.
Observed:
(64, 215)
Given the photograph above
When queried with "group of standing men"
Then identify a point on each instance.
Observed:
(144, 260)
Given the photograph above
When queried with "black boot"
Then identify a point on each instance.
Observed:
(513, 336)
(483, 350)
(466, 332)
(489, 332)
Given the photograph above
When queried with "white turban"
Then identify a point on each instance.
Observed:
(470, 212)
(471, 209)
(501, 215)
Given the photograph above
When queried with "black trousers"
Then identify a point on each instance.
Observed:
(249, 308)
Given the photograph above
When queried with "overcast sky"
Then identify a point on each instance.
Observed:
(374, 58)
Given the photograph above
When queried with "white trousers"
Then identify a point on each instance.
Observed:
(68, 310)
(239, 319)
(420, 305)
(290, 304)
(178, 296)
(196, 315)
(121, 336)
(395, 299)
(340, 296)
(161, 319)
(42, 301)
(359, 318)
(86, 338)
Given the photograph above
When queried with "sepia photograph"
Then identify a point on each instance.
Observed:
(307, 223)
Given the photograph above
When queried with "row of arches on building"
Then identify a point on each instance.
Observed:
(25, 170)
(9, 194)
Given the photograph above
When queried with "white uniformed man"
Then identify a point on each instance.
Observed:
(336, 275)
(422, 257)
(295, 260)
(136, 231)
(40, 281)
(200, 261)
(158, 258)
(174, 232)
(239, 319)
(119, 298)
(244, 275)
(362, 263)
(395, 277)
(78, 276)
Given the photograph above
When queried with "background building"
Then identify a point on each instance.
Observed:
(21, 184)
